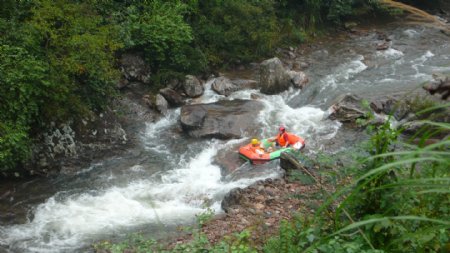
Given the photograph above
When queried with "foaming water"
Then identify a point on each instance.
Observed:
(186, 184)
(209, 95)
(170, 178)
(307, 121)
(343, 73)
(64, 222)
(390, 53)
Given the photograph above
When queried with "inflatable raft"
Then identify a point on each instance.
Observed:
(258, 155)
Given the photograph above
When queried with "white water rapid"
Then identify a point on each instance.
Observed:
(169, 178)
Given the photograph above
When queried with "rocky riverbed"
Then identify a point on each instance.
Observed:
(260, 207)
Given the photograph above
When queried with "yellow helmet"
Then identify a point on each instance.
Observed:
(254, 141)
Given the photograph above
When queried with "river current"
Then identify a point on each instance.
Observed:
(169, 178)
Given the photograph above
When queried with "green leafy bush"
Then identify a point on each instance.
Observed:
(56, 63)
(234, 31)
(23, 92)
(159, 30)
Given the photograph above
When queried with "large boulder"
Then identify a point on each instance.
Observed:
(71, 146)
(440, 85)
(347, 108)
(232, 198)
(298, 78)
(222, 119)
(193, 87)
(273, 77)
(397, 108)
(391, 106)
(161, 104)
(224, 86)
(172, 97)
(134, 69)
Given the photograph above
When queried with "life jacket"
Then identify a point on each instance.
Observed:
(289, 138)
(282, 139)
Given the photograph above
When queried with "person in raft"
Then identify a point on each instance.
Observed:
(256, 145)
(285, 139)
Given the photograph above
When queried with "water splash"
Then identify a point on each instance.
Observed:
(343, 73)
(65, 221)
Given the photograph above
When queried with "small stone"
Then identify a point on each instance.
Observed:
(260, 198)
(259, 206)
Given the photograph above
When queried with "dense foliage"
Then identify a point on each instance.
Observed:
(58, 58)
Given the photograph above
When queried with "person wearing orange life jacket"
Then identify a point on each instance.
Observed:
(285, 139)
(282, 138)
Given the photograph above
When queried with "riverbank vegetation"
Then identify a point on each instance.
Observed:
(59, 58)
(393, 198)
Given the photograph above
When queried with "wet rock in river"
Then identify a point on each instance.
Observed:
(222, 119)
(193, 87)
(391, 106)
(224, 86)
(273, 77)
(298, 78)
(440, 85)
(161, 104)
(172, 97)
(347, 108)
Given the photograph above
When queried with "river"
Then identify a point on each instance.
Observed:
(169, 178)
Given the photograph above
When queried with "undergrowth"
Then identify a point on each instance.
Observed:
(396, 200)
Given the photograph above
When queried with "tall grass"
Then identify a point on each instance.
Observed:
(398, 201)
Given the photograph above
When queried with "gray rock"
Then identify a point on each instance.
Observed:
(378, 105)
(232, 198)
(298, 78)
(347, 108)
(245, 83)
(193, 87)
(390, 106)
(224, 86)
(134, 68)
(273, 77)
(222, 119)
(192, 117)
(161, 104)
(300, 65)
(384, 45)
(396, 108)
(440, 85)
(172, 97)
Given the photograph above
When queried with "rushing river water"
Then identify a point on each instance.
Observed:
(169, 178)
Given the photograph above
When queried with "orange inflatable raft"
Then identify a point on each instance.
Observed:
(258, 154)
